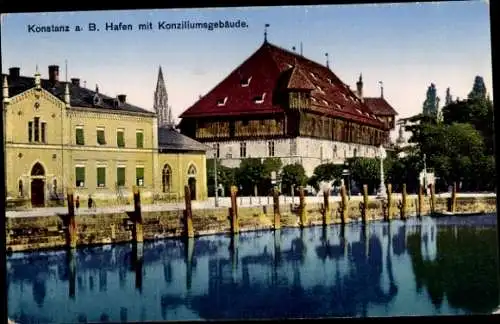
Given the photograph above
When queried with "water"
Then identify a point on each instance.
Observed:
(432, 267)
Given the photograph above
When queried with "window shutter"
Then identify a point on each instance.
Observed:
(140, 139)
(101, 177)
(79, 137)
(120, 176)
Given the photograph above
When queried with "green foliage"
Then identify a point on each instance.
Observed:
(292, 174)
(226, 177)
(249, 175)
(365, 171)
(325, 172)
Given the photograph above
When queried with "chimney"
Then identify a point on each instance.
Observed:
(122, 98)
(14, 73)
(75, 82)
(54, 73)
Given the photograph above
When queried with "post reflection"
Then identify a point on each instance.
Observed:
(188, 257)
(71, 264)
(315, 272)
(137, 262)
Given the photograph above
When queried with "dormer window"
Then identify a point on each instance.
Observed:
(245, 82)
(359, 111)
(313, 75)
(222, 102)
(338, 106)
(288, 65)
(259, 99)
(325, 102)
(314, 99)
(344, 96)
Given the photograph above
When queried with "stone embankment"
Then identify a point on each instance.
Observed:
(137, 224)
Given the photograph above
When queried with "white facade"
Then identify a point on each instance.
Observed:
(309, 152)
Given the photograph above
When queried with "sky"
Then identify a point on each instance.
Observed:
(407, 46)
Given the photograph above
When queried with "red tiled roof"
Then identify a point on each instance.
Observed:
(380, 106)
(271, 69)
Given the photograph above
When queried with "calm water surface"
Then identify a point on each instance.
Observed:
(428, 267)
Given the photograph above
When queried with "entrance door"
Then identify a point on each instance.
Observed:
(192, 187)
(38, 186)
(37, 193)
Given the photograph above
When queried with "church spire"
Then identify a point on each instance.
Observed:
(265, 32)
(161, 107)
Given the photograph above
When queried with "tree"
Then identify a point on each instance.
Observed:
(268, 166)
(292, 174)
(430, 103)
(249, 175)
(225, 177)
(478, 89)
(448, 99)
(325, 172)
(365, 171)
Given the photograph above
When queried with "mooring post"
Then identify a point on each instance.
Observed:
(188, 214)
(389, 202)
(433, 198)
(276, 203)
(402, 203)
(420, 201)
(137, 232)
(326, 208)
(343, 205)
(71, 235)
(364, 205)
(453, 200)
(302, 208)
(233, 211)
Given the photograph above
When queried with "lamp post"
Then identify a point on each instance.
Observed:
(425, 174)
(382, 192)
(215, 181)
(347, 173)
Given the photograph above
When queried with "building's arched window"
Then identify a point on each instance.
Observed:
(192, 171)
(334, 151)
(167, 178)
(355, 152)
(21, 189)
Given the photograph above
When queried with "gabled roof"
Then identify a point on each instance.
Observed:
(272, 69)
(79, 96)
(380, 106)
(170, 139)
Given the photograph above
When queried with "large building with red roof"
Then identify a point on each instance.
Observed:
(278, 103)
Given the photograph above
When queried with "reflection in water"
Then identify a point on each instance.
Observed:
(413, 267)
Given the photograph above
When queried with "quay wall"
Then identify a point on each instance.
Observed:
(46, 232)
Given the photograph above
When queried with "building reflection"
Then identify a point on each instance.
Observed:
(322, 271)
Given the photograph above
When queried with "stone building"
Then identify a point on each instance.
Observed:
(60, 134)
(278, 103)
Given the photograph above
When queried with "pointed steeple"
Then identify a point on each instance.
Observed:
(5, 89)
(38, 81)
(265, 32)
(327, 62)
(359, 86)
(161, 106)
(66, 95)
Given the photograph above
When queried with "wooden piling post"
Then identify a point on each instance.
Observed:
(433, 198)
(233, 211)
(402, 205)
(188, 214)
(343, 205)
(326, 208)
(420, 201)
(71, 235)
(137, 231)
(276, 203)
(364, 205)
(302, 207)
(453, 199)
